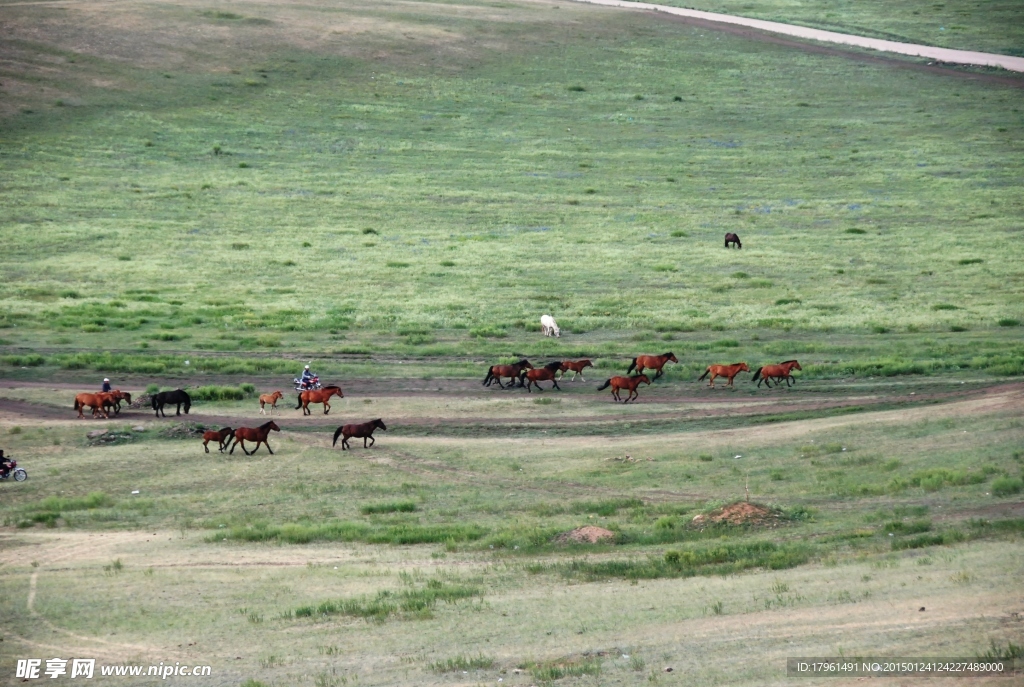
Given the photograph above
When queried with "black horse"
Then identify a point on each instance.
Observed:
(732, 238)
(177, 397)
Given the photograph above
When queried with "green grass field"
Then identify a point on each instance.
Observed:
(206, 197)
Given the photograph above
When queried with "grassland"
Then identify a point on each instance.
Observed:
(990, 26)
(435, 553)
(431, 192)
(201, 197)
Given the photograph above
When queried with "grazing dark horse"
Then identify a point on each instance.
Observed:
(576, 366)
(94, 401)
(318, 396)
(654, 362)
(777, 372)
(732, 238)
(619, 383)
(727, 371)
(541, 374)
(114, 402)
(363, 431)
(259, 435)
(177, 397)
(221, 436)
(496, 372)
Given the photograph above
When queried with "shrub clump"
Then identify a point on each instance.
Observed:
(411, 603)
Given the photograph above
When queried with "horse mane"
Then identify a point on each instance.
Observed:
(666, 355)
(787, 361)
(553, 365)
(330, 386)
(522, 360)
(266, 424)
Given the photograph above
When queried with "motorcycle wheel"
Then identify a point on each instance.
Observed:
(20, 475)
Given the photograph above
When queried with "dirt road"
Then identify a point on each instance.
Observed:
(947, 55)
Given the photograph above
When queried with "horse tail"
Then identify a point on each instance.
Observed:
(490, 375)
(631, 366)
(757, 374)
(77, 404)
(299, 399)
(152, 400)
(337, 433)
(706, 373)
(604, 386)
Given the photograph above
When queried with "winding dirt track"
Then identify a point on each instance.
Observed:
(947, 55)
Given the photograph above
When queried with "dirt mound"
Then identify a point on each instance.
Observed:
(740, 513)
(586, 535)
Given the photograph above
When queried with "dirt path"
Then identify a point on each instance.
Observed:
(701, 405)
(948, 55)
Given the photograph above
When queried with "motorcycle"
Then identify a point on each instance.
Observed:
(17, 473)
(312, 385)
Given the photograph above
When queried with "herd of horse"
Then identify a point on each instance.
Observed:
(522, 371)
(529, 376)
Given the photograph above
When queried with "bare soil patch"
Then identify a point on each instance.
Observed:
(585, 535)
(740, 513)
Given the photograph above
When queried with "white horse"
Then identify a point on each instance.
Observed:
(548, 326)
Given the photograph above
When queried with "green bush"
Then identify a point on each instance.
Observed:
(390, 507)
(1006, 486)
(30, 360)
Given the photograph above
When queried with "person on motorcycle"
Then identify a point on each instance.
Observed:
(106, 384)
(5, 465)
(307, 378)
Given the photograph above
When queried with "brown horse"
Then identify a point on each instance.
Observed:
(777, 372)
(114, 402)
(654, 362)
(619, 383)
(363, 431)
(94, 401)
(728, 371)
(271, 399)
(318, 396)
(576, 366)
(496, 372)
(541, 374)
(259, 435)
(732, 238)
(221, 436)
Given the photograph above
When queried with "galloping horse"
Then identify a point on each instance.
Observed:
(177, 397)
(728, 371)
(576, 366)
(271, 399)
(732, 238)
(536, 376)
(94, 401)
(221, 436)
(318, 396)
(259, 435)
(631, 383)
(655, 362)
(363, 431)
(776, 372)
(116, 396)
(496, 372)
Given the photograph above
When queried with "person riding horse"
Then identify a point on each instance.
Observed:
(106, 385)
